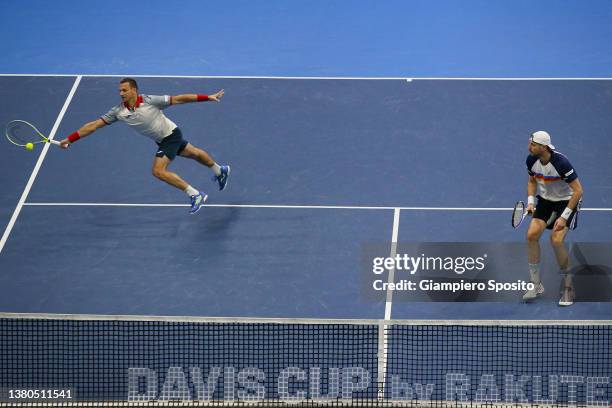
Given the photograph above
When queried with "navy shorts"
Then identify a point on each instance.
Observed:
(548, 211)
(172, 145)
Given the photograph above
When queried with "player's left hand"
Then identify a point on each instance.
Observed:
(216, 97)
(560, 223)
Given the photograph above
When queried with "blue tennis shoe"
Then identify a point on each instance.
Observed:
(197, 201)
(222, 178)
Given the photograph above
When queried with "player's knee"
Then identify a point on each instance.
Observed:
(533, 236)
(159, 173)
(556, 238)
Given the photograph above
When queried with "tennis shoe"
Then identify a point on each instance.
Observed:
(222, 178)
(567, 296)
(531, 294)
(197, 201)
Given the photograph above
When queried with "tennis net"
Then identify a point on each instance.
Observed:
(68, 360)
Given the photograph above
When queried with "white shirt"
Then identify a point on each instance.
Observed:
(553, 178)
(146, 117)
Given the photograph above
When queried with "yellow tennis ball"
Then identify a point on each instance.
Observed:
(29, 146)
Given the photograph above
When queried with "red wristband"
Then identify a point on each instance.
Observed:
(202, 98)
(74, 137)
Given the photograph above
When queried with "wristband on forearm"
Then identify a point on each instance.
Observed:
(202, 98)
(531, 200)
(566, 213)
(74, 137)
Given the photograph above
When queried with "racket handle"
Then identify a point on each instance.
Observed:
(55, 142)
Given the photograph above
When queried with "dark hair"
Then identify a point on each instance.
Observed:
(130, 81)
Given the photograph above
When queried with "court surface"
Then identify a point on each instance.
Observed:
(320, 168)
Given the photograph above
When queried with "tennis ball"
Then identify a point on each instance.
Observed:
(29, 146)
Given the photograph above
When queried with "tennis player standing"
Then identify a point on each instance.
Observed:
(144, 114)
(560, 191)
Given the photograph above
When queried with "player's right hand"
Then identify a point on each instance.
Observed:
(65, 144)
(530, 209)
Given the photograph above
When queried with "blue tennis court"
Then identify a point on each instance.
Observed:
(357, 134)
(317, 175)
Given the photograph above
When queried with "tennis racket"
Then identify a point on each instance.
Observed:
(518, 214)
(20, 133)
(574, 224)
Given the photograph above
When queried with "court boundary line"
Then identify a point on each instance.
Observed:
(282, 320)
(357, 78)
(282, 206)
(383, 339)
(391, 279)
(38, 165)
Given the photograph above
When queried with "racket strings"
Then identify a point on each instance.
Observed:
(517, 215)
(21, 133)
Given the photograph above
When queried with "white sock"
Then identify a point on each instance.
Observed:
(191, 191)
(217, 169)
(534, 272)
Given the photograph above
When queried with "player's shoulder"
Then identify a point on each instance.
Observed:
(530, 160)
(558, 158)
(563, 166)
(117, 108)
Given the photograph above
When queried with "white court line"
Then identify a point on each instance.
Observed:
(383, 328)
(41, 158)
(323, 207)
(391, 279)
(315, 77)
(210, 77)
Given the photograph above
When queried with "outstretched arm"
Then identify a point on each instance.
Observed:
(186, 98)
(83, 131)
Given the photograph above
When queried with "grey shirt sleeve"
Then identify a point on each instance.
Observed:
(110, 116)
(159, 101)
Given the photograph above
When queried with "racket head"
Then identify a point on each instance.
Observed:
(518, 214)
(20, 133)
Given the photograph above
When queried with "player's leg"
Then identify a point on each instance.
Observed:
(544, 212)
(167, 150)
(557, 240)
(534, 232)
(221, 172)
(197, 154)
(160, 171)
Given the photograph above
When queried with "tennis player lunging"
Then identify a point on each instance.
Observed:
(560, 191)
(144, 114)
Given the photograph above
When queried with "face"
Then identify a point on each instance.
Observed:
(126, 92)
(536, 149)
